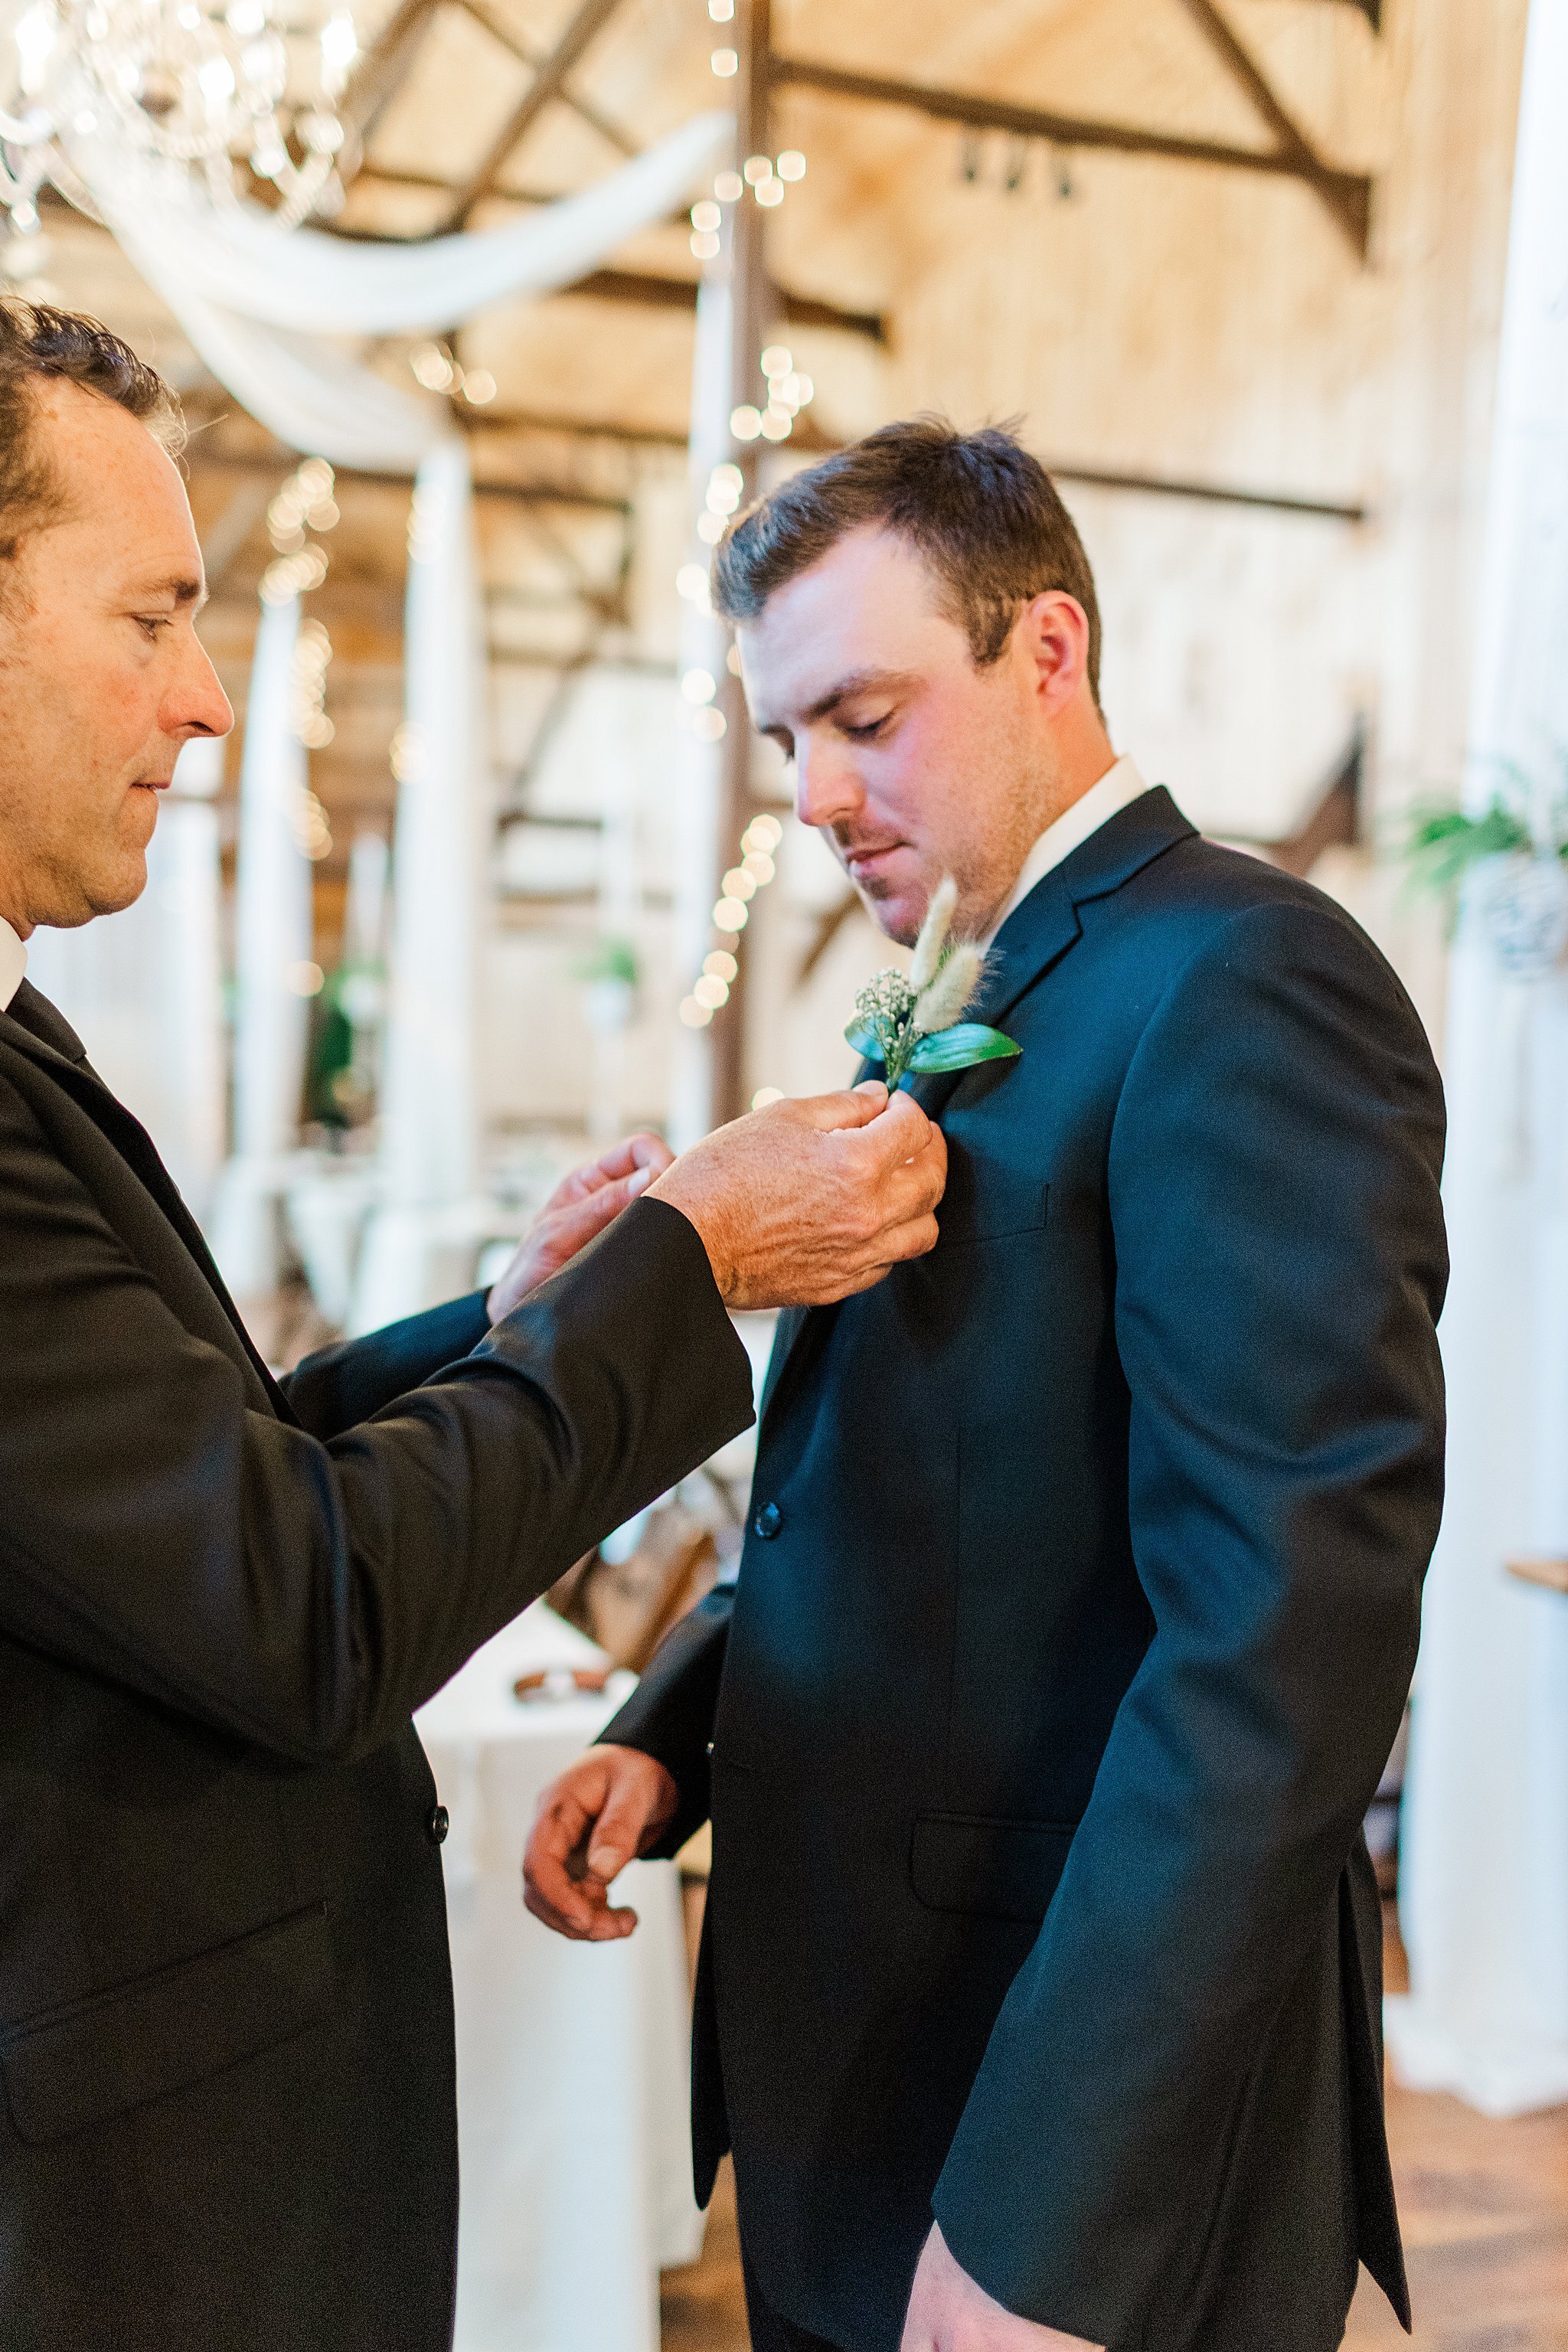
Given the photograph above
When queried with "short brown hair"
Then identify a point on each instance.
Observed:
(37, 342)
(983, 512)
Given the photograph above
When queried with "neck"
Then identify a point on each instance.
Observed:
(1083, 754)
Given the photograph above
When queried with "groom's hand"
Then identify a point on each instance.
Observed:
(601, 1812)
(949, 2312)
(806, 1202)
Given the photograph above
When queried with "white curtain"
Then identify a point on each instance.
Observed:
(260, 307)
(273, 934)
(317, 283)
(145, 989)
(1484, 1875)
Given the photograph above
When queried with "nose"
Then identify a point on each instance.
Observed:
(197, 703)
(827, 789)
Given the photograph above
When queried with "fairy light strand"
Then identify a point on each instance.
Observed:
(732, 912)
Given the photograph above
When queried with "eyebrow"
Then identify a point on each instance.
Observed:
(858, 681)
(181, 586)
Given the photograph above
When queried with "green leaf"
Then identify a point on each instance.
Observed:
(957, 1048)
(865, 1041)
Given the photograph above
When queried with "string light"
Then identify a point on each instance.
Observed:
(745, 422)
(436, 369)
(755, 169)
(766, 1095)
(724, 63)
(308, 685)
(721, 967)
(698, 685)
(791, 164)
(729, 188)
(721, 11)
(479, 385)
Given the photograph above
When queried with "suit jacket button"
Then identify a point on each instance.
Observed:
(440, 1822)
(767, 1522)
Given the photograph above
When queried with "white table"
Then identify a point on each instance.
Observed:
(572, 2102)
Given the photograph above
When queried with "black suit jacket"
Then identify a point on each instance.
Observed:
(225, 2029)
(1072, 1631)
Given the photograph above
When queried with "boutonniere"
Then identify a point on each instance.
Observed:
(913, 1021)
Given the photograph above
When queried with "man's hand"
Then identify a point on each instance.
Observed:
(948, 2313)
(582, 1206)
(601, 1813)
(807, 1201)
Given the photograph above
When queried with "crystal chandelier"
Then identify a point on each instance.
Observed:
(190, 89)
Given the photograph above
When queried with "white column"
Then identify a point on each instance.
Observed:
(145, 988)
(420, 1244)
(273, 936)
(1484, 1899)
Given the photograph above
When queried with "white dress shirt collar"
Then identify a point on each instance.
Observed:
(1117, 789)
(12, 964)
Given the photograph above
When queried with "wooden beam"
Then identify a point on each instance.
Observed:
(671, 293)
(1348, 199)
(532, 494)
(976, 111)
(383, 67)
(1370, 9)
(483, 14)
(1334, 822)
(587, 20)
(1220, 494)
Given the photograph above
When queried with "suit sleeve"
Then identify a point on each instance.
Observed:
(1279, 1266)
(671, 1714)
(307, 1596)
(337, 1387)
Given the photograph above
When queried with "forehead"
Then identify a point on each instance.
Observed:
(870, 604)
(119, 490)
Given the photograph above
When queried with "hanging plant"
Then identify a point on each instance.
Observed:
(1517, 852)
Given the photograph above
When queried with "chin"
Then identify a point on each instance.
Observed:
(898, 914)
(112, 893)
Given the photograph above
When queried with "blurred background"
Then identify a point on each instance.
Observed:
(486, 314)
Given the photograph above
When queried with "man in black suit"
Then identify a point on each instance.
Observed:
(225, 2029)
(1040, 1997)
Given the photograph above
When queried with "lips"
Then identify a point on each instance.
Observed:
(866, 862)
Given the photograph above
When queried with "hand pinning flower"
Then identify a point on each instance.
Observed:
(911, 1022)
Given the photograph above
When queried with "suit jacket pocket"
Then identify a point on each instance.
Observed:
(164, 2033)
(988, 1198)
(1001, 1870)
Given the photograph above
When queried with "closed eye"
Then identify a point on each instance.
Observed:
(149, 624)
(866, 729)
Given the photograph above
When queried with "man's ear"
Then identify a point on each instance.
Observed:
(1053, 630)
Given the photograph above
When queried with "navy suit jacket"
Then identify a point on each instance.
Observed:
(1072, 1631)
(226, 2007)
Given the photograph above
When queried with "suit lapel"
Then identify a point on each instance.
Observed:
(1037, 934)
(38, 1030)
(1033, 939)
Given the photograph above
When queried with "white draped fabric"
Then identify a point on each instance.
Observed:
(260, 307)
(1484, 1872)
(419, 1247)
(273, 935)
(145, 989)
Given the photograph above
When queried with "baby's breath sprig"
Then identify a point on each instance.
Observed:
(910, 1022)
